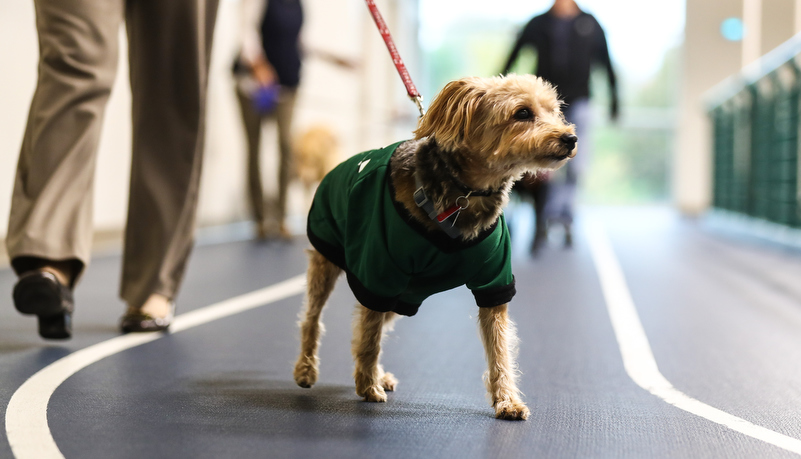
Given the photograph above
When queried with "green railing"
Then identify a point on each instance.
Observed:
(756, 118)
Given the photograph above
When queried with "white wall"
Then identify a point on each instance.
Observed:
(17, 80)
(367, 107)
(778, 23)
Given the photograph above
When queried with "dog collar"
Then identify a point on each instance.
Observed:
(463, 186)
(441, 219)
(471, 192)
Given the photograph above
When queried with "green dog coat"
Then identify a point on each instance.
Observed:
(392, 261)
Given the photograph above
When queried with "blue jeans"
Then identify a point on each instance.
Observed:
(561, 196)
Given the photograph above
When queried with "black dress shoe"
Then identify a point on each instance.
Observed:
(142, 322)
(40, 293)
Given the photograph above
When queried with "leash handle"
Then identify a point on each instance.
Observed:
(411, 90)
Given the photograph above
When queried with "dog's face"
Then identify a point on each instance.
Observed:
(513, 124)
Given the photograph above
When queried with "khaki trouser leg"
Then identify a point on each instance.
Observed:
(51, 210)
(284, 112)
(251, 120)
(170, 46)
(275, 213)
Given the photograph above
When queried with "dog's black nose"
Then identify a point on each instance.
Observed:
(569, 140)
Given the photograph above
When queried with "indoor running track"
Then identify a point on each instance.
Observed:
(719, 315)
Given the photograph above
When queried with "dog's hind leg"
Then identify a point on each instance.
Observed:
(500, 345)
(366, 346)
(321, 278)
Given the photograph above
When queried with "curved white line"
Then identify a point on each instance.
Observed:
(26, 415)
(636, 351)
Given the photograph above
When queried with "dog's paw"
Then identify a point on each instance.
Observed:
(389, 381)
(373, 394)
(369, 386)
(511, 410)
(305, 373)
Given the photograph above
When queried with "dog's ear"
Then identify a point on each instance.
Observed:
(449, 118)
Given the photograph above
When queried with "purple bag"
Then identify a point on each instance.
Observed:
(265, 98)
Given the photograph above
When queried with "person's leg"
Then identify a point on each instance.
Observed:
(568, 202)
(284, 113)
(251, 121)
(51, 210)
(170, 47)
(560, 206)
(539, 191)
(50, 224)
(579, 114)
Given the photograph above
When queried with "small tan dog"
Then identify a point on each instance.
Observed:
(425, 215)
(316, 153)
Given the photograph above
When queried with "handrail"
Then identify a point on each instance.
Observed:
(756, 127)
(787, 52)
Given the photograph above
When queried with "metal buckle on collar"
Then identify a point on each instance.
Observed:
(424, 203)
(420, 197)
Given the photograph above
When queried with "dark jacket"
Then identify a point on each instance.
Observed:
(567, 64)
(280, 32)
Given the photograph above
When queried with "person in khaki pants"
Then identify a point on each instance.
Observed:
(50, 226)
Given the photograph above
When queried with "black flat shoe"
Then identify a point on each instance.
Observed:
(40, 293)
(134, 322)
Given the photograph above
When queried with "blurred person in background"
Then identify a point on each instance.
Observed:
(568, 43)
(268, 71)
(50, 226)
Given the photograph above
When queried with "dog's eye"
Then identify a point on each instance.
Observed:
(524, 114)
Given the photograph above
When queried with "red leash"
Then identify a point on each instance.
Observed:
(411, 90)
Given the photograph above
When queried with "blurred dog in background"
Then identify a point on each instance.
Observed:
(316, 152)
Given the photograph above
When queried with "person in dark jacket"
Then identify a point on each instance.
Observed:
(569, 43)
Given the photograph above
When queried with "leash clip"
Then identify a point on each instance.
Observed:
(418, 100)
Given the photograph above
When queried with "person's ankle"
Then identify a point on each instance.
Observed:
(65, 271)
(63, 277)
(157, 305)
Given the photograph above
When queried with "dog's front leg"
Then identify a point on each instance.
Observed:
(366, 346)
(500, 344)
(320, 278)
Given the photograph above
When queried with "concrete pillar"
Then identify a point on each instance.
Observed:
(797, 17)
(752, 40)
(707, 60)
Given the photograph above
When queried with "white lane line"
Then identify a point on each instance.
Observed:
(26, 415)
(636, 351)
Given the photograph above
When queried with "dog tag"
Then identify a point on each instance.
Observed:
(448, 212)
(454, 208)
